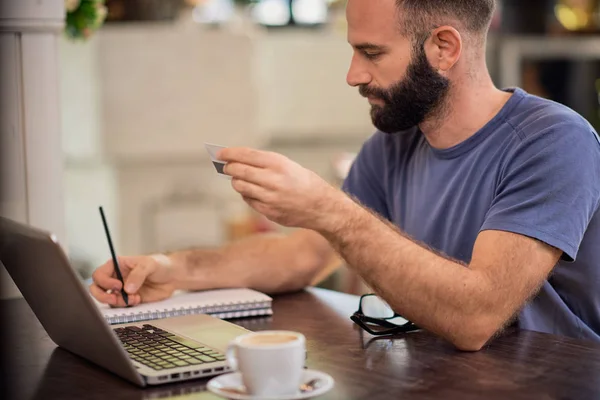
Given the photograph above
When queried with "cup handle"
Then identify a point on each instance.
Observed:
(231, 358)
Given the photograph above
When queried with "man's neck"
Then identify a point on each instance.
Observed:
(469, 107)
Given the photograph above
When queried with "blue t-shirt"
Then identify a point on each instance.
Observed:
(534, 169)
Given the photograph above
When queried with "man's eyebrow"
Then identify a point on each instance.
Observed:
(369, 46)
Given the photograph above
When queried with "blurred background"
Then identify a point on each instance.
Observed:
(144, 83)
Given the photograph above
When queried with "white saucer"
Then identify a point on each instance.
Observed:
(234, 380)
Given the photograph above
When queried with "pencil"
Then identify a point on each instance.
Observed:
(114, 257)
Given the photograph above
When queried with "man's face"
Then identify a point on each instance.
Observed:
(400, 83)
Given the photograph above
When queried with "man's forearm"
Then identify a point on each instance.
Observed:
(434, 292)
(268, 263)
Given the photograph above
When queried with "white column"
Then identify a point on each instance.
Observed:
(31, 163)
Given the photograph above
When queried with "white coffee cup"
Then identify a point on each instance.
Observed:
(271, 362)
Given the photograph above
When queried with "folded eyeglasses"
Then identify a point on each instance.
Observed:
(377, 318)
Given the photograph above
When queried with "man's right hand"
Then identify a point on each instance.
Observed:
(146, 280)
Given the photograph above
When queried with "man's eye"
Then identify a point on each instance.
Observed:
(372, 56)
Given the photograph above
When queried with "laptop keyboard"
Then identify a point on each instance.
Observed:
(159, 349)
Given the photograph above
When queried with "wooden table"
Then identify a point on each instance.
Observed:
(417, 365)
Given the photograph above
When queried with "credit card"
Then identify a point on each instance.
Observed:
(212, 150)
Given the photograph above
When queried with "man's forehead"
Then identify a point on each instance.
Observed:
(373, 21)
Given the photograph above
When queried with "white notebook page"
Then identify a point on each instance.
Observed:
(184, 300)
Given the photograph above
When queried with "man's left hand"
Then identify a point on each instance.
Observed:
(280, 189)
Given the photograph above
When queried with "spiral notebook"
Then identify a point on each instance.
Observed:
(220, 303)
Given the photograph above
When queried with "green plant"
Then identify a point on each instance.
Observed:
(84, 17)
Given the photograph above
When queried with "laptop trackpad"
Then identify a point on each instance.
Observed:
(207, 330)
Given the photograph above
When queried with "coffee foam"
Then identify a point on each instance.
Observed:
(269, 339)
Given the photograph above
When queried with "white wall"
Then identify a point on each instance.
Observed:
(162, 90)
(90, 179)
(31, 174)
(302, 87)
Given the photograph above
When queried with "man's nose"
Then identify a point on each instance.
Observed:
(357, 74)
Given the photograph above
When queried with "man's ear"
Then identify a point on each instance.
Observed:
(444, 48)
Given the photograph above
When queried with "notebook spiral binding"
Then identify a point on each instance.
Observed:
(228, 310)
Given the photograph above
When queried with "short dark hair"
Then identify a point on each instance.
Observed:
(421, 16)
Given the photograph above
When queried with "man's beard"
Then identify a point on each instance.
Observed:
(408, 102)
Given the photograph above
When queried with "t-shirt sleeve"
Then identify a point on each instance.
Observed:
(550, 187)
(365, 181)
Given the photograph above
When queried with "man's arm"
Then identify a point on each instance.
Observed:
(268, 263)
(466, 304)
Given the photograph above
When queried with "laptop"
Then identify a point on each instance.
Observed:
(145, 353)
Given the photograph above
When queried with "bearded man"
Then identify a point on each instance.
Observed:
(469, 209)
